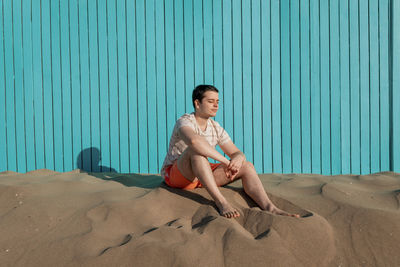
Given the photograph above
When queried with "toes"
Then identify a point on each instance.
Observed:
(226, 215)
(231, 214)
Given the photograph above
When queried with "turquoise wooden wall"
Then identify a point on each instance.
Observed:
(306, 86)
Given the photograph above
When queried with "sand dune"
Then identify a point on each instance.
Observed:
(109, 219)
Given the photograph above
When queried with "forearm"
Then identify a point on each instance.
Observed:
(238, 154)
(202, 147)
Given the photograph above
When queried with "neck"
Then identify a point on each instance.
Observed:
(201, 119)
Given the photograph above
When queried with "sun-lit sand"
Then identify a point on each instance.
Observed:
(109, 219)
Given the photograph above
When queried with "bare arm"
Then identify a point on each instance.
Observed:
(231, 150)
(200, 145)
(237, 158)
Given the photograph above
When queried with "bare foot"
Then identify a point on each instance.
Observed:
(273, 209)
(226, 210)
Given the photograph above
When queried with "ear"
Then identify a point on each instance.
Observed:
(197, 103)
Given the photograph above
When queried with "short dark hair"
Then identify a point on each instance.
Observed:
(198, 92)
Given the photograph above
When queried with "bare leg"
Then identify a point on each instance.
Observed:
(194, 166)
(254, 188)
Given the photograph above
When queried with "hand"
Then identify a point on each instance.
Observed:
(235, 165)
(227, 171)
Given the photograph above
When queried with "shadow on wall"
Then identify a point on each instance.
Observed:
(89, 161)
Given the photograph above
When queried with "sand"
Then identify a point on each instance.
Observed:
(109, 219)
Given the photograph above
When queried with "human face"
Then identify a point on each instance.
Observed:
(209, 105)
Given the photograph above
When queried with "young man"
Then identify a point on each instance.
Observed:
(193, 140)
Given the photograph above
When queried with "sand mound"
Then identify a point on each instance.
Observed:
(110, 219)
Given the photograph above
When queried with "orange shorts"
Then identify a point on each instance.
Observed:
(174, 178)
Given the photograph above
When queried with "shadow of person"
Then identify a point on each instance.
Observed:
(189, 194)
(88, 161)
(150, 181)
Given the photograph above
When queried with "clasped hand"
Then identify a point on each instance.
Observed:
(234, 166)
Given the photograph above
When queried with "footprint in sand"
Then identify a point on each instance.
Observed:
(203, 216)
(124, 241)
(129, 237)
(172, 223)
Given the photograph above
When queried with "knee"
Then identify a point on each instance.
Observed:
(248, 166)
(194, 155)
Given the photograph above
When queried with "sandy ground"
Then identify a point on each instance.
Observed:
(109, 219)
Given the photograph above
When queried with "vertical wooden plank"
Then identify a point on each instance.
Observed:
(170, 66)
(28, 84)
(344, 86)
(3, 119)
(247, 90)
(384, 103)
(276, 87)
(19, 87)
(208, 52)
(256, 85)
(227, 48)
(114, 86)
(122, 88)
(179, 60)
(94, 86)
(151, 86)
(66, 87)
(56, 86)
(160, 82)
(315, 81)
(237, 75)
(9, 86)
(395, 13)
(142, 85)
(374, 89)
(47, 88)
(75, 86)
(217, 41)
(364, 89)
(189, 54)
(295, 100)
(208, 66)
(198, 32)
(104, 86)
(266, 88)
(37, 85)
(354, 88)
(85, 83)
(285, 87)
(335, 87)
(305, 79)
(132, 85)
(325, 89)
(217, 47)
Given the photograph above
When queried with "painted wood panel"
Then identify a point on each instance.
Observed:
(306, 86)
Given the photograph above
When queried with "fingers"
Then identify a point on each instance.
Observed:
(233, 170)
(228, 174)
